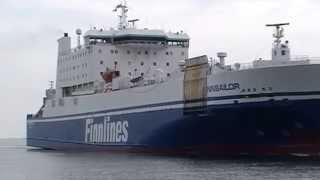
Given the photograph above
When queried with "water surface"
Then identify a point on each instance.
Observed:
(18, 162)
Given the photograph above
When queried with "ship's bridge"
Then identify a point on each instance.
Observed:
(136, 37)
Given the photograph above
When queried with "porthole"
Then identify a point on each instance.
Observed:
(146, 52)
(182, 53)
(167, 53)
(168, 75)
(168, 64)
(142, 63)
(129, 63)
(154, 64)
(129, 73)
(116, 51)
(100, 51)
(142, 74)
(111, 51)
(139, 52)
(136, 70)
(128, 52)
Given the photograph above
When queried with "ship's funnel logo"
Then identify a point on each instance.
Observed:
(106, 131)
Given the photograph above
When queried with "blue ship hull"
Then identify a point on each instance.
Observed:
(261, 128)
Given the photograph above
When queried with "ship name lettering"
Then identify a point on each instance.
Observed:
(106, 131)
(223, 87)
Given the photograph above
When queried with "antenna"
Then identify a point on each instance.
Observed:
(79, 32)
(51, 84)
(123, 24)
(133, 22)
(279, 31)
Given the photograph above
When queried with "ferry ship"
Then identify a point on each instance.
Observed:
(131, 89)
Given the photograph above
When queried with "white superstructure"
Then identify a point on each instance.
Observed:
(131, 67)
(131, 52)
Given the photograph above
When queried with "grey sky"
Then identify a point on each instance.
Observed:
(29, 30)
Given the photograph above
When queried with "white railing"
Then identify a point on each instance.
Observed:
(296, 60)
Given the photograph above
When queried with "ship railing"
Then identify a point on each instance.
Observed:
(296, 60)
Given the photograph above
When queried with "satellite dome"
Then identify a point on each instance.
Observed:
(78, 32)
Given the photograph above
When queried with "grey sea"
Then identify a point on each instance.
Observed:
(18, 162)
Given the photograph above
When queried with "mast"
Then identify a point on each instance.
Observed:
(279, 34)
(123, 24)
(280, 51)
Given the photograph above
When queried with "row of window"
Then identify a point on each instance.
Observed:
(88, 52)
(140, 52)
(141, 63)
(73, 68)
(62, 103)
(142, 74)
(74, 57)
(255, 89)
(73, 78)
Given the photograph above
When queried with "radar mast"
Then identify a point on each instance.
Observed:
(280, 51)
(279, 34)
(123, 24)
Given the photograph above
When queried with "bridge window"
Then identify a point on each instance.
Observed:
(283, 52)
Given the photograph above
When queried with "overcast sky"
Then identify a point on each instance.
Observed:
(29, 30)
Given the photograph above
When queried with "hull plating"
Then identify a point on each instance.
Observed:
(270, 127)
